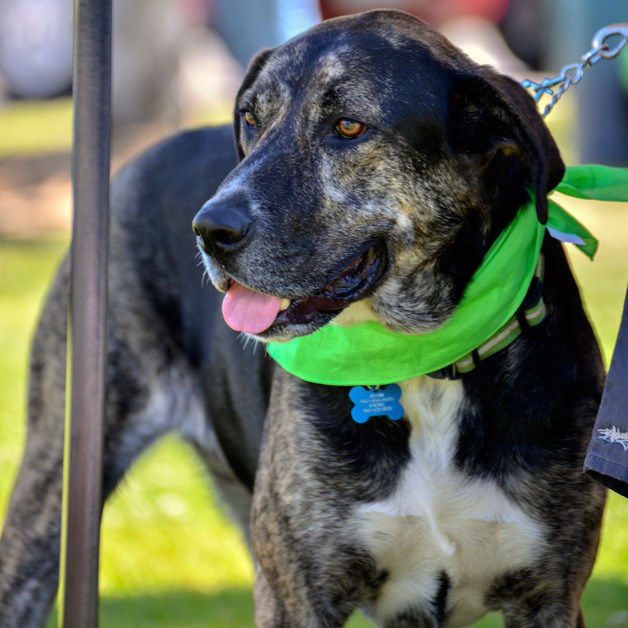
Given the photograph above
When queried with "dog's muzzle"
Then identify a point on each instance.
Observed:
(222, 229)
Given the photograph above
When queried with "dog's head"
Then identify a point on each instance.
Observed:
(378, 164)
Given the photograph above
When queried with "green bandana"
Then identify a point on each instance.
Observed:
(367, 354)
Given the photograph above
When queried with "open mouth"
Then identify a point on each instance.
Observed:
(253, 312)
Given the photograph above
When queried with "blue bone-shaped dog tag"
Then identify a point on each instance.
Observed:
(376, 401)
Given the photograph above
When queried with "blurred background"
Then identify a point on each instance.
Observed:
(169, 557)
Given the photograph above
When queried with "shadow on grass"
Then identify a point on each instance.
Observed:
(605, 604)
(229, 608)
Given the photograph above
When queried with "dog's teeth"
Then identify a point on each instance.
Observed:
(285, 304)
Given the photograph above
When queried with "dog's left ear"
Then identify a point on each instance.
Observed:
(493, 117)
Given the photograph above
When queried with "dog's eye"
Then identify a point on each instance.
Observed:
(249, 118)
(345, 127)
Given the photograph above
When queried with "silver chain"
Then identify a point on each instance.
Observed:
(601, 48)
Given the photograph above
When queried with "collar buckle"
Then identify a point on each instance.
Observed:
(530, 313)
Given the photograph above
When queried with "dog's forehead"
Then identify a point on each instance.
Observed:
(348, 64)
(364, 38)
(309, 62)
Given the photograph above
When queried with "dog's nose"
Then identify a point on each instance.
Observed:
(221, 226)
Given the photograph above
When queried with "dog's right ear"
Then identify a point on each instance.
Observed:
(258, 62)
(494, 118)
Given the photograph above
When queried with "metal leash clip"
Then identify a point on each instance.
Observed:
(602, 47)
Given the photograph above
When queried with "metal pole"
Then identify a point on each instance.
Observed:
(78, 597)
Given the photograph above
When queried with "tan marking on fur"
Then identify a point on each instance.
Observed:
(358, 312)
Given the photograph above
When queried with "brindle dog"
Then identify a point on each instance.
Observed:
(367, 143)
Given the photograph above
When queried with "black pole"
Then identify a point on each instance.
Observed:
(78, 598)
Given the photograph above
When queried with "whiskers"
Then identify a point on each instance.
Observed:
(248, 340)
(200, 261)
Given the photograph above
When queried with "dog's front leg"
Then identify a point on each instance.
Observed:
(268, 610)
(283, 591)
(309, 573)
(311, 570)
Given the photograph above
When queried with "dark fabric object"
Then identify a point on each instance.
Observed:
(607, 458)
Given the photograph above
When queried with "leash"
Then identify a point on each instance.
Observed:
(571, 74)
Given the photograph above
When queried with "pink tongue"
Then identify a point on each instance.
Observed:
(248, 310)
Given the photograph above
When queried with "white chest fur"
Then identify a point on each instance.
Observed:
(441, 520)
